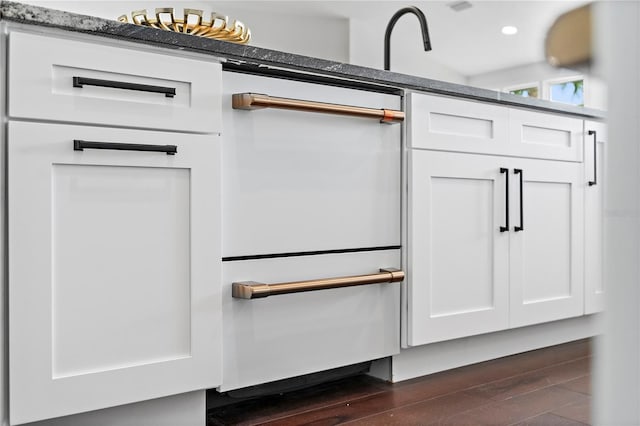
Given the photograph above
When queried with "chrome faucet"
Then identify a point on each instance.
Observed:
(392, 22)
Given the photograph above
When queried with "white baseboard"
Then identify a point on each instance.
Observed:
(428, 359)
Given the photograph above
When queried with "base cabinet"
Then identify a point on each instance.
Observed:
(459, 273)
(495, 242)
(594, 196)
(114, 271)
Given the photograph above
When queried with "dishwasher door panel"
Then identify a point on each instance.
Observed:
(304, 181)
(289, 335)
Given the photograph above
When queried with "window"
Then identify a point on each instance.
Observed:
(568, 92)
(529, 90)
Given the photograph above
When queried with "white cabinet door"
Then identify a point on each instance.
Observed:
(547, 254)
(594, 287)
(458, 257)
(114, 268)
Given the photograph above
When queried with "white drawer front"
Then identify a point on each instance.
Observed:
(119, 86)
(540, 135)
(301, 181)
(456, 125)
(448, 124)
(293, 334)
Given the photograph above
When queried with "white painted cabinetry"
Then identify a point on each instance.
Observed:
(86, 82)
(450, 124)
(495, 242)
(458, 259)
(595, 168)
(114, 244)
(546, 257)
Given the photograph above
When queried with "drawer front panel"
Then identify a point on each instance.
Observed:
(456, 125)
(303, 181)
(448, 124)
(540, 135)
(73, 81)
(293, 334)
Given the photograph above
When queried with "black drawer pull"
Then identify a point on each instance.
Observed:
(595, 156)
(521, 227)
(169, 92)
(505, 228)
(80, 145)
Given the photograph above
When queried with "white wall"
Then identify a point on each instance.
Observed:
(320, 37)
(407, 56)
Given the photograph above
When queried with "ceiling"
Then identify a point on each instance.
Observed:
(470, 41)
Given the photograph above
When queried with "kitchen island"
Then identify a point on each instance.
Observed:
(122, 255)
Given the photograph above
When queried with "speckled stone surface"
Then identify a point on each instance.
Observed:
(248, 55)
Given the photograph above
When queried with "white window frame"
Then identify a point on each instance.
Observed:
(535, 84)
(546, 86)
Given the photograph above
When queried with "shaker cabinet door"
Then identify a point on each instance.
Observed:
(458, 257)
(114, 267)
(547, 254)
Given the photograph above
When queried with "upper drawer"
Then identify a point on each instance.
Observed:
(466, 126)
(455, 125)
(543, 135)
(120, 86)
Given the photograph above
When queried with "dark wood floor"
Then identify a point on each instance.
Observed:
(550, 386)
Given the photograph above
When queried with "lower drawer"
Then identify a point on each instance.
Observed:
(293, 334)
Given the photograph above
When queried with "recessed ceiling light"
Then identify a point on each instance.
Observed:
(509, 30)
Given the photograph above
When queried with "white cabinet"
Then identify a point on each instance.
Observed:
(458, 258)
(114, 267)
(471, 271)
(495, 219)
(595, 136)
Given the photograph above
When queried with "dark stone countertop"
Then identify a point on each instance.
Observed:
(259, 57)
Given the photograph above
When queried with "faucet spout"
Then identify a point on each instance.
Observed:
(392, 22)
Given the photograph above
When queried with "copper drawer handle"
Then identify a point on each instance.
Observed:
(255, 290)
(251, 101)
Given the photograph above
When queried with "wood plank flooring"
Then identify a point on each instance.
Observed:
(550, 386)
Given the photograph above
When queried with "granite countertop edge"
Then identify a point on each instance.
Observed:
(255, 56)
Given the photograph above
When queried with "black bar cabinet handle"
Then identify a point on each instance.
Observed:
(80, 145)
(521, 227)
(169, 92)
(595, 156)
(506, 201)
